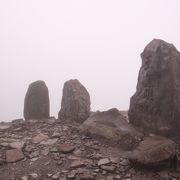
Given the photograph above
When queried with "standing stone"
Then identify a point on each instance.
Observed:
(156, 104)
(36, 103)
(75, 104)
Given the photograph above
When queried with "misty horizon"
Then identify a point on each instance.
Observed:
(97, 42)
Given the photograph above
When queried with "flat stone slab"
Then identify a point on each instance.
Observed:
(65, 148)
(49, 142)
(154, 151)
(14, 155)
(17, 145)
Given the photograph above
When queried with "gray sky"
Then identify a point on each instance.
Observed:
(96, 41)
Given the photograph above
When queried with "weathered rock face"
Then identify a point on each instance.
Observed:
(112, 126)
(155, 105)
(36, 103)
(75, 104)
(155, 151)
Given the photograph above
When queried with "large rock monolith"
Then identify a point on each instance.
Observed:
(75, 104)
(36, 103)
(155, 106)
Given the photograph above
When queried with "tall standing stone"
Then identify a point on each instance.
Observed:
(75, 104)
(156, 104)
(36, 103)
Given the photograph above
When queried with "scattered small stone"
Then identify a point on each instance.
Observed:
(117, 177)
(56, 176)
(104, 172)
(24, 178)
(49, 142)
(34, 154)
(110, 178)
(104, 161)
(65, 148)
(39, 138)
(71, 176)
(45, 152)
(114, 160)
(34, 175)
(71, 157)
(64, 171)
(86, 176)
(49, 175)
(60, 162)
(34, 159)
(124, 162)
(56, 135)
(78, 152)
(17, 145)
(96, 170)
(108, 168)
(28, 148)
(77, 164)
(128, 175)
(163, 174)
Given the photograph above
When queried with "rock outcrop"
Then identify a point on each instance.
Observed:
(153, 152)
(155, 105)
(75, 104)
(112, 126)
(36, 103)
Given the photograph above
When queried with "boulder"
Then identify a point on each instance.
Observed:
(155, 105)
(154, 152)
(112, 126)
(75, 104)
(36, 103)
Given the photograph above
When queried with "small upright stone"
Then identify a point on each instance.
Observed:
(75, 104)
(36, 103)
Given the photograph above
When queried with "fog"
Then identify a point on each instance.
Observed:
(96, 41)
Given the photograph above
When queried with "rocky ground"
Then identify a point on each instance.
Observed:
(53, 149)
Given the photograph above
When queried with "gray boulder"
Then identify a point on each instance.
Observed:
(36, 103)
(153, 152)
(75, 104)
(113, 127)
(155, 105)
